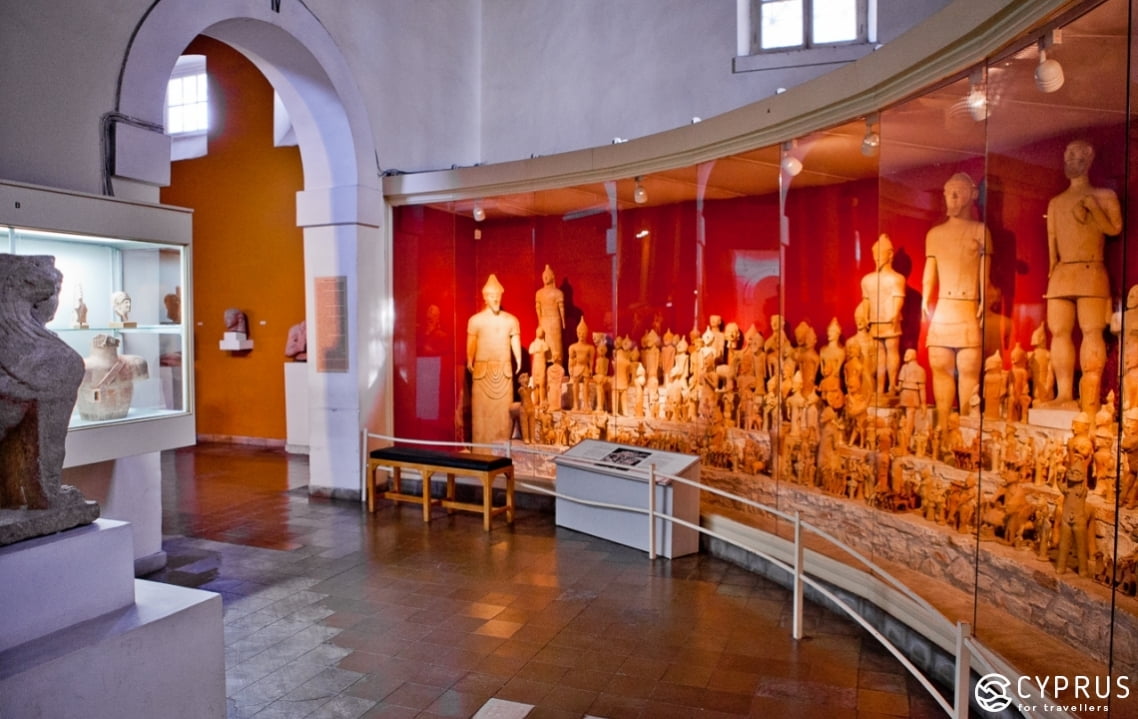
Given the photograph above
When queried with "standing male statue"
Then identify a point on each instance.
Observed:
(550, 303)
(492, 338)
(883, 292)
(1078, 221)
(956, 265)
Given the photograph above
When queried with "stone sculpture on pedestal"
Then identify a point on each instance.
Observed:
(39, 378)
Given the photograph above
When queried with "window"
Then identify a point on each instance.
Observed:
(187, 97)
(792, 24)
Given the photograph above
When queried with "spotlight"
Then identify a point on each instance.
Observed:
(791, 165)
(1048, 74)
(479, 213)
(639, 195)
(872, 140)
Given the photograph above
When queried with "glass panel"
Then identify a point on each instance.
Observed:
(120, 308)
(834, 21)
(1057, 166)
(781, 24)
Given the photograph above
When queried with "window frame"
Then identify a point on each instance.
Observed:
(866, 34)
(187, 66)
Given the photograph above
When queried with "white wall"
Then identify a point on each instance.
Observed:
(561, 76)
(446, 82)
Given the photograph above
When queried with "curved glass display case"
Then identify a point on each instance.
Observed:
(917, 328)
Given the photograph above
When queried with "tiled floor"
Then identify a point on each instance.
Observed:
(332, 613)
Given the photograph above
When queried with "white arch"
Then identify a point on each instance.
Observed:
(292, 49)
(340, 209)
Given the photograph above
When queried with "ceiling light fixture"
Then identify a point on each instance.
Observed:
(639, 195)
(479, 213)
(791, 165)
(872, 140)
(977, 96)
(1048, 73)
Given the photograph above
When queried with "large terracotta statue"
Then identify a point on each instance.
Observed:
(883, 292)
(1078, 289)
(108, 380)
(492, 340)
(39, 376)
(551, 313)
(956, 267)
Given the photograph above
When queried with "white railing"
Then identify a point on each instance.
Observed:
(969, 651)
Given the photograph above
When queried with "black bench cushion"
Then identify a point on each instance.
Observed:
(456, 460)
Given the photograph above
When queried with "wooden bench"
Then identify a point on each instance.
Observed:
(427, 462)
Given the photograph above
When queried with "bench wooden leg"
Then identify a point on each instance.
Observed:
(510, 496)
(426, 474)
(487, 500)
(370, 488)
(450, 491)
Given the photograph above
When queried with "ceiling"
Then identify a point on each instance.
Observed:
(938, 127)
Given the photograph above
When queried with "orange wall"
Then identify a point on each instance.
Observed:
(248, 252)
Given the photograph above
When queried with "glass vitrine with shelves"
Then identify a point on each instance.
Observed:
(134, 361)
(124, 306)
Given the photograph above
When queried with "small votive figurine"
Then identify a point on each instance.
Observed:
(79, 320)
(120, 303)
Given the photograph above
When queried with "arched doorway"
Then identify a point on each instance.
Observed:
(341, 209)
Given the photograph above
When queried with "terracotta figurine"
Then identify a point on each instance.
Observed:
(582, 356)
(883, 292)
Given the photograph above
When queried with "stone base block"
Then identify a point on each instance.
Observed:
(162, 656)
(56, 581)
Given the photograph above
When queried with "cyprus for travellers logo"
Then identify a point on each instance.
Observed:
(993, 692)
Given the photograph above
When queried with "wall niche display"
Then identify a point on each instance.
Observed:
(114, 312)
(882, 346)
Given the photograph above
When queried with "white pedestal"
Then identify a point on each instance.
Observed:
(129, 489)
(50, 583)
(235, 342)
(83, 639)
(296, 407)
(578, 477)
